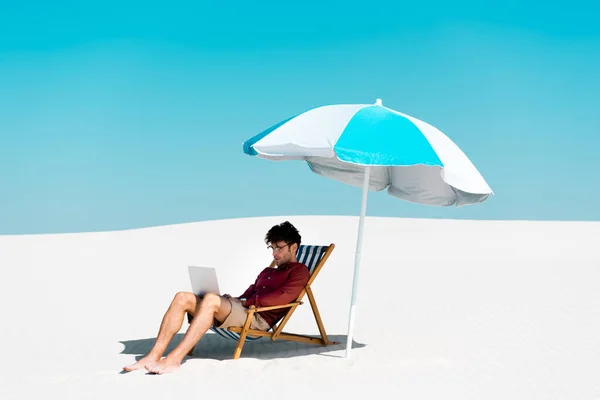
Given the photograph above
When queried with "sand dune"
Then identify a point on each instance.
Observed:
(446, 310)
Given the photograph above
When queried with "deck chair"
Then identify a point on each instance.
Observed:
(314, 257)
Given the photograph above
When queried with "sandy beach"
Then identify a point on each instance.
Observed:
(446, 309)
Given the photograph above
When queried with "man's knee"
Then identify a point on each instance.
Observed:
(183, 299)
(211, 300)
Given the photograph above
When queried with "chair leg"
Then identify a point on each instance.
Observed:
(279, 329)
(313, 304)
(244, 333)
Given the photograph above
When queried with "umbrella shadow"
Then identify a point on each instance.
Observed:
(215, 347)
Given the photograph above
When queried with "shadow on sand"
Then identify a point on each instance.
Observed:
(214, 347)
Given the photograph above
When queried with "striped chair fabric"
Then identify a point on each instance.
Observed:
(309, 255)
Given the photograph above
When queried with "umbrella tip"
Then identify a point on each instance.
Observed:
(378, 102)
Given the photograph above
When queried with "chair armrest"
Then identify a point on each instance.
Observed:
(255, 309)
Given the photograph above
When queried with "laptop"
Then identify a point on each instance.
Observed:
(204, 280)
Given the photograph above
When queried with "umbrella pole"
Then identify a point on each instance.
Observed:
(361, 222)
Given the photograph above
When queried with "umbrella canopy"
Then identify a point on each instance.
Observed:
(375, 147)
(412, 159)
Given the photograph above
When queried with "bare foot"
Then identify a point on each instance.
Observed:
(143, 363)
(164, 366)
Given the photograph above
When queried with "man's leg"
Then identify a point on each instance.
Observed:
(211, 307)
(173, 319)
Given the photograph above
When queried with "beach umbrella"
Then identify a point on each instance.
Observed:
(373, 147)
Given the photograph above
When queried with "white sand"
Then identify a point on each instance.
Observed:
(446, 310)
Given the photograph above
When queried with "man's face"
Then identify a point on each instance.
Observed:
(282, 252)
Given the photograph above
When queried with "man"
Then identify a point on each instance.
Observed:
(273, 286)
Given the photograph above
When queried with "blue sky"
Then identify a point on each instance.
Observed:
(117, 115)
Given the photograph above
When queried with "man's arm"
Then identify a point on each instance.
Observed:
(286, 293)
(251, 288)
(247, 293)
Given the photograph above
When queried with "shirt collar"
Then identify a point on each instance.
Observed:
(287, 265)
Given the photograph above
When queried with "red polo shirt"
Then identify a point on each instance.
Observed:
(277, 286)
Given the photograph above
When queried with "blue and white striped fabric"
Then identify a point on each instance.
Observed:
(412, 159)
(309, 255)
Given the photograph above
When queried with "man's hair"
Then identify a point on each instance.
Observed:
(285, 232)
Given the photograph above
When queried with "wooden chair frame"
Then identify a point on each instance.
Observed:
(276, 332)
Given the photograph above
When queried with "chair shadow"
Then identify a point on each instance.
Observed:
(215, 347)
